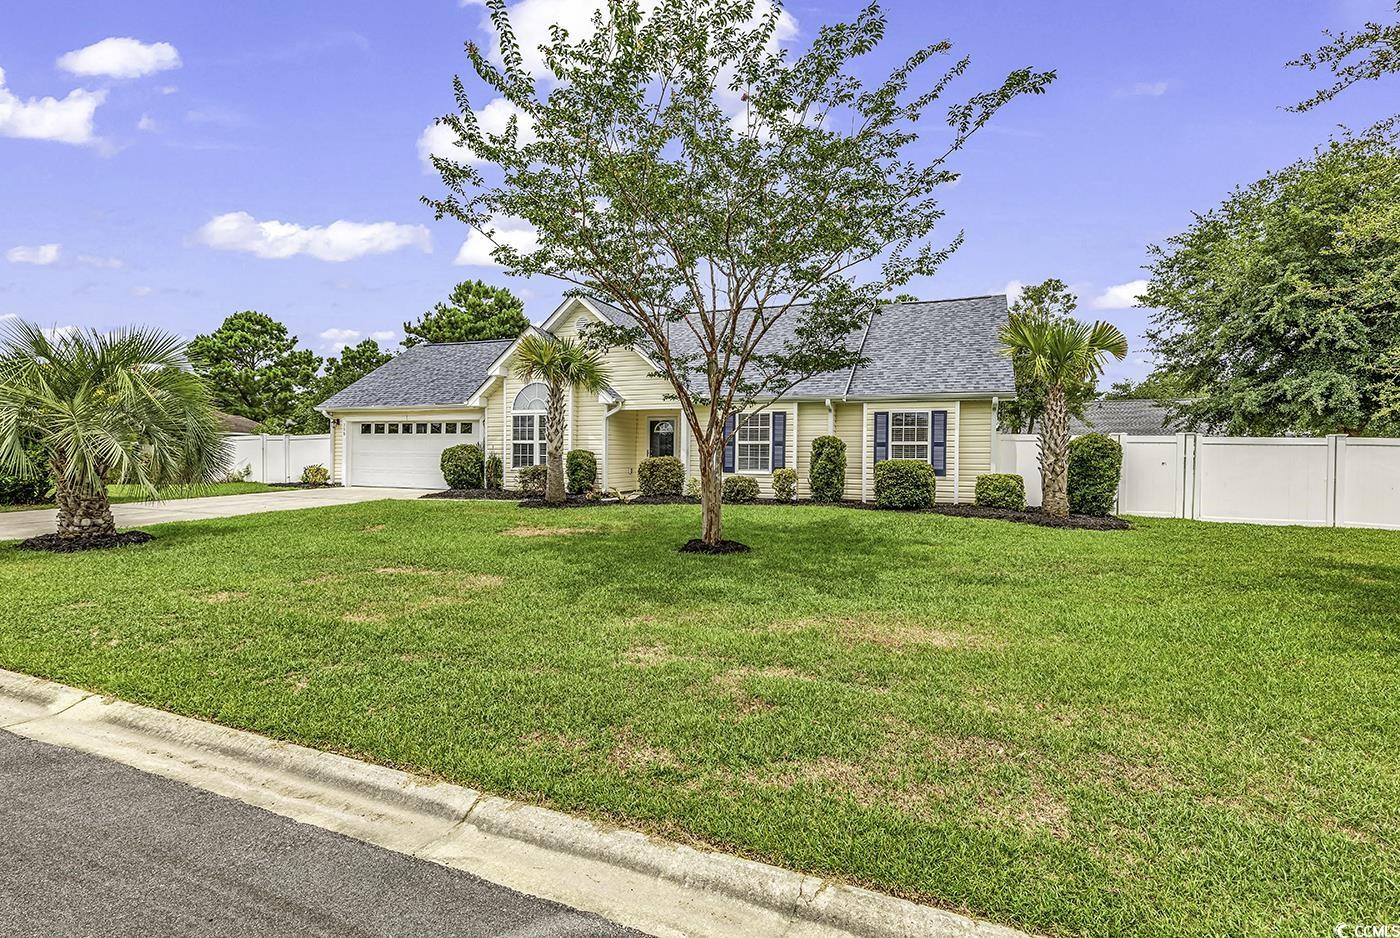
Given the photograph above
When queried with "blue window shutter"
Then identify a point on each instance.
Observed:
(938, 441)
(729, 443)
(779, 439)
(882, 435)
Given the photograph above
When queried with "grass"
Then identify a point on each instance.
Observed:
(1183, 729)
(120, 494)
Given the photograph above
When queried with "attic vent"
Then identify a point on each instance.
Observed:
(581, 325)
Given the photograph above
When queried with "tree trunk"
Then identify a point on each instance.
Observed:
(83, 512)
(554, 441)
(711, 488)
(1054, 454)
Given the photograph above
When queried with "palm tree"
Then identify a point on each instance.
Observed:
(1060, 353)
(561, 364)
(122, 407)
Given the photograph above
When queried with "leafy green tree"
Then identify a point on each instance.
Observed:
(123, 407)
(474, 310)
(354, 363)
(1060, 354)
(1155, 387)
(1365, 55)
(1051, 301)
(715, 190)
(1279, 310)
(254, 367)
(561, 365)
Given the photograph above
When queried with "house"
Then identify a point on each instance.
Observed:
(232, 423)
(928, 390)
(1133, 417)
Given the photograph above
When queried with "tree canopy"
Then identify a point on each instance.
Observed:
(742, 208)
(1049, 301)
(354, 362)
(1367, 54)
(474, 310)
(1154, 387)
(1279, 311)
(254, 367)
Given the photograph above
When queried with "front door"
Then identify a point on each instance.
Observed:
(662, 438)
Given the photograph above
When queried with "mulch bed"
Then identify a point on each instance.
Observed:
(499, 495)
(663, 500)
(1035, 516)
(59, 544)
(697, 546)
(571, 501)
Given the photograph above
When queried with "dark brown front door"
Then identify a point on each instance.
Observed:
(661, 438)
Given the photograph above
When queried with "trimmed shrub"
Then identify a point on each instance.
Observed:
(495, 472)
(580, 471)
(692, 487)
(661, 475)
(1001, 490)
(33, 490)
(315, 475)
(740, 489)
(1095, 465)
(827, 474)
(904, 484)
(464, 466)
(531, 480)
(785, 485)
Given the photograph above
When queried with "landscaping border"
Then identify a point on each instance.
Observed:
(637, 880)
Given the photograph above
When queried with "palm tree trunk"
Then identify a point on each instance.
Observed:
(1054, 454)
(554, 440)
(711, 491)
(83, 512)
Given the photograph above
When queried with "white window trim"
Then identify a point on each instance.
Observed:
(926, 443)
(767, 444)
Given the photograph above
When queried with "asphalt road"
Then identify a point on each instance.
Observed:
(90, 847)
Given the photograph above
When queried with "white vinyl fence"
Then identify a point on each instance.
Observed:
(278, 458)
(1334, 481)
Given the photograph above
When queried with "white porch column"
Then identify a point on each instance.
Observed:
(607, 414)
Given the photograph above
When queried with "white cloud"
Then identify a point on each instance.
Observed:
(476, 250)
(338, 241)
(384, 335)
(1149, 89)
(333, 341)
(107, 263)
(147, 122)
(66, 120)
(1013, 290)
(41, 254)
(440, 140)
(142, 291)
(1121, 296)
(120, 57)
(59, 333)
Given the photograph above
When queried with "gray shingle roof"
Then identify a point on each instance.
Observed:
(1139, 418)
(424, 376)
(937, 347)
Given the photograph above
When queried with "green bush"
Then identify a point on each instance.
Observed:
(661, 475)
(785, 485)
(740, 489)
(692, 487)
(315, 475)
(495, 472)
(904, 484)
(531, 480)
(1001, 490)
(464, 466)
(32, 490)
(580, 471)
(827, 474)
(1095, 465)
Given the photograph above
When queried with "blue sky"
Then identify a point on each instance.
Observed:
(156, 165)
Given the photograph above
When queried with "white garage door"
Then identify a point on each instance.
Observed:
(399, 454)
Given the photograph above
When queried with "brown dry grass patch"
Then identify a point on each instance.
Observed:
(633, 754)
(223, 596)
(646, 656)
(528, 530)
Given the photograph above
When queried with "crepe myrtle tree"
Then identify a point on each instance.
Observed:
(743, 208)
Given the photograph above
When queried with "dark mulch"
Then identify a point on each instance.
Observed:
(1036, 516)
(572, 501)
(304, 485)
(500, 495)
(664, 500)
(697, 546)
(58, 544)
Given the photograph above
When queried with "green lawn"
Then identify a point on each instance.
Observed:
(1181, 729)
(134, 493)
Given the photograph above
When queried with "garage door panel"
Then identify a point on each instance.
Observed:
(402, 460)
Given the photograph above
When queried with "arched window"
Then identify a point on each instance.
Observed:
(527, 425)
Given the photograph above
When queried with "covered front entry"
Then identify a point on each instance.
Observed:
(402, 453)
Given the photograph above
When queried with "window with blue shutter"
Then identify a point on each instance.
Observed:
(938, 450)
(882, 435)
(729, 443)
(779, 439)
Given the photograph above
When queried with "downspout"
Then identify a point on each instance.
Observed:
(996, 430)
(830, 418)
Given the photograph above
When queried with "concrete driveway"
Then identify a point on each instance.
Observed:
(15, 525)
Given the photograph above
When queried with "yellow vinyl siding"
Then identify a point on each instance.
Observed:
(764, 479)
(848, 428)
(956, 455)
(974, 446)
(338, 453)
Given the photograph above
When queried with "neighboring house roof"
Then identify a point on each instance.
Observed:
(1135, 417)
(930, 349)
(423, 376)
(232, 423)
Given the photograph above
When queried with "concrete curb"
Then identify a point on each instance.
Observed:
(644, 882)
